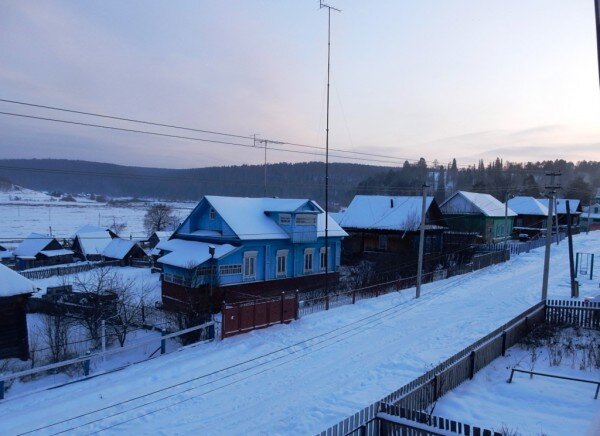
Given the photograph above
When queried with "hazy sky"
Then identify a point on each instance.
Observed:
(434, 78)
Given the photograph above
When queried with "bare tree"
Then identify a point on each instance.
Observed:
(128, 309)
(159, 217)
(118, 226)
(55, 332)
(97, 300)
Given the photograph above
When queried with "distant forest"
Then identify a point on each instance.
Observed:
(301, 180)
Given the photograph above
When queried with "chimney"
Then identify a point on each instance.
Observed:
(391, 203)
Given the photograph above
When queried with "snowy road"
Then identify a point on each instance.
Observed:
(303, 377)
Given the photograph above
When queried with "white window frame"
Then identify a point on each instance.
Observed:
(248, 255)
(322, 265)
(285, 219)
(231, 270)
(308, 218)
(212, 213)
(308, 252)
(281, 254)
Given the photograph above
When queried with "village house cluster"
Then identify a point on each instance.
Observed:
(232, 249)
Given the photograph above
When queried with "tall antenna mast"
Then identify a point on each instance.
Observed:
(329, 8)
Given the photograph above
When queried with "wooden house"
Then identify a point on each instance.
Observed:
(41, 250)
(531, 215)
(123, 250)
(590, 217)
(15, 290)
(390, 224)
(561, 210)
(6, 255)
(89, 242)
(482, 214)
(232, 248)
(155, 238)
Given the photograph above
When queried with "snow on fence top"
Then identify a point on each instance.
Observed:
(384, 212)
(13, 283)
(527, 206)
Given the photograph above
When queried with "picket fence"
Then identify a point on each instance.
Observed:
(44, 273)
(424, 390)
(518, 248)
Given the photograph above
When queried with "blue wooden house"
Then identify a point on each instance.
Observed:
(232, 248)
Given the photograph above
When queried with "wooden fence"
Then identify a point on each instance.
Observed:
(424, 390)
(258, 313)
(38, 274)
(518, 248)
(579, 313)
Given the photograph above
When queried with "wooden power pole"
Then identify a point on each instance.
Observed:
(421, 240)
(552, 192)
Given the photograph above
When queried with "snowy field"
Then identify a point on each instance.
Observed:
(531, 406)
(38, 212)
(303, 377)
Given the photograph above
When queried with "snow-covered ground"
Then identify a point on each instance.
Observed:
(303, 377)
(38, 212)
(532, 406)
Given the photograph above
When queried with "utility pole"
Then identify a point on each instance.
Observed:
(329, 8)
(421, 239)
(589, 216)
(552, 191)
(508, 196)
(556, 219)
(574, 287)
(265, 143)
(597, 10)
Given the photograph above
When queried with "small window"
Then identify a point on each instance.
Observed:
(308, 260)
(282, 263)
(250, 264)
(305, 219)
(383, 242)
(285, 219)
(323, 259)
(213, 214)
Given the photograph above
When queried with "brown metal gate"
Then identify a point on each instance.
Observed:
(258, 313)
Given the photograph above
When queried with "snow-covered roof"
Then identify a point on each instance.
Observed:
(163, 234)
(13, 283)
(486, 204)
(527, 206)
(54, 253)
(561, 205)
(89, 229)
(190, 254)
(93, 242)
(246, 216)
(6, 254)
(32, 245)
(118, 248)
(384, 212)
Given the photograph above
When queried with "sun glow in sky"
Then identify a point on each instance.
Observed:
(438, 79)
